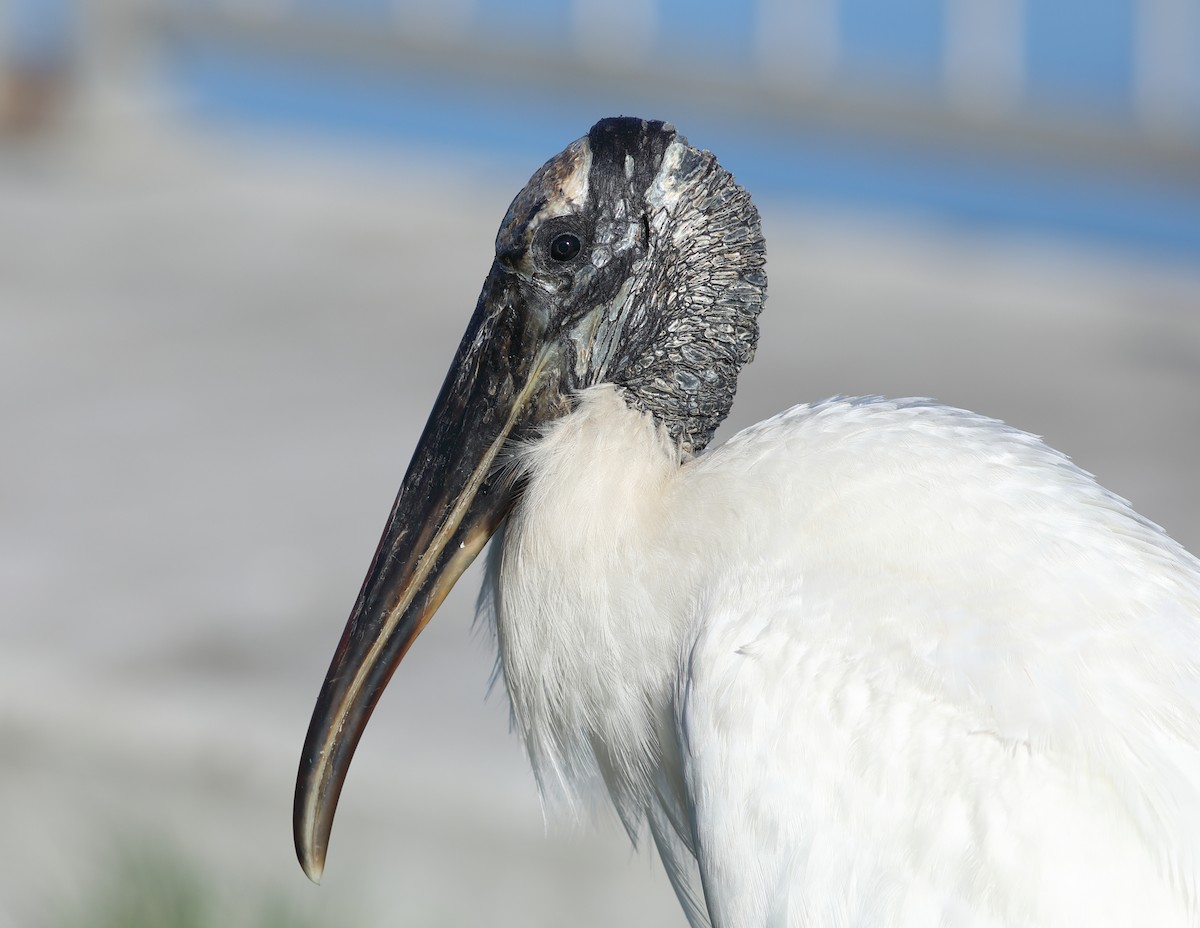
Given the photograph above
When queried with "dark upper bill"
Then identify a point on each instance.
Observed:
(503, 379)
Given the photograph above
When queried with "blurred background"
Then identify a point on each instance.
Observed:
(239, 240)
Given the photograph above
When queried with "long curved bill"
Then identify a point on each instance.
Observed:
(503, 378)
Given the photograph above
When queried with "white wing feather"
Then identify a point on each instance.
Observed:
(960, 685)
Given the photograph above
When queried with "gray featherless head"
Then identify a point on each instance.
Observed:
(654, 259)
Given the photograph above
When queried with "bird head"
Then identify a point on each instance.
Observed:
(630, 258)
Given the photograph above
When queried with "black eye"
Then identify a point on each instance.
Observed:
(565, 246)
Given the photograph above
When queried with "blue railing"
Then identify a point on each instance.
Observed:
(1134, 58)
(1071, 115)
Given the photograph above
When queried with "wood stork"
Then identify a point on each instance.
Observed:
(870, 663)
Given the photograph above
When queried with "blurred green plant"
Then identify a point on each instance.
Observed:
(148, 886)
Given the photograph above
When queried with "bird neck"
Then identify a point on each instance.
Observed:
(694, 319)
(588, 643)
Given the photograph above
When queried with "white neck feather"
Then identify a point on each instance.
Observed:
(589, 645)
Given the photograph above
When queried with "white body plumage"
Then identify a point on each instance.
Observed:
(869, 663)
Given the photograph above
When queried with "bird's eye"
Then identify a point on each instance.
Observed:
(565, 246)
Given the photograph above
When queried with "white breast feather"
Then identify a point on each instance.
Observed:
(888, 663)
(587, 653)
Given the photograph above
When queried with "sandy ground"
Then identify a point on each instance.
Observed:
(215, 357)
